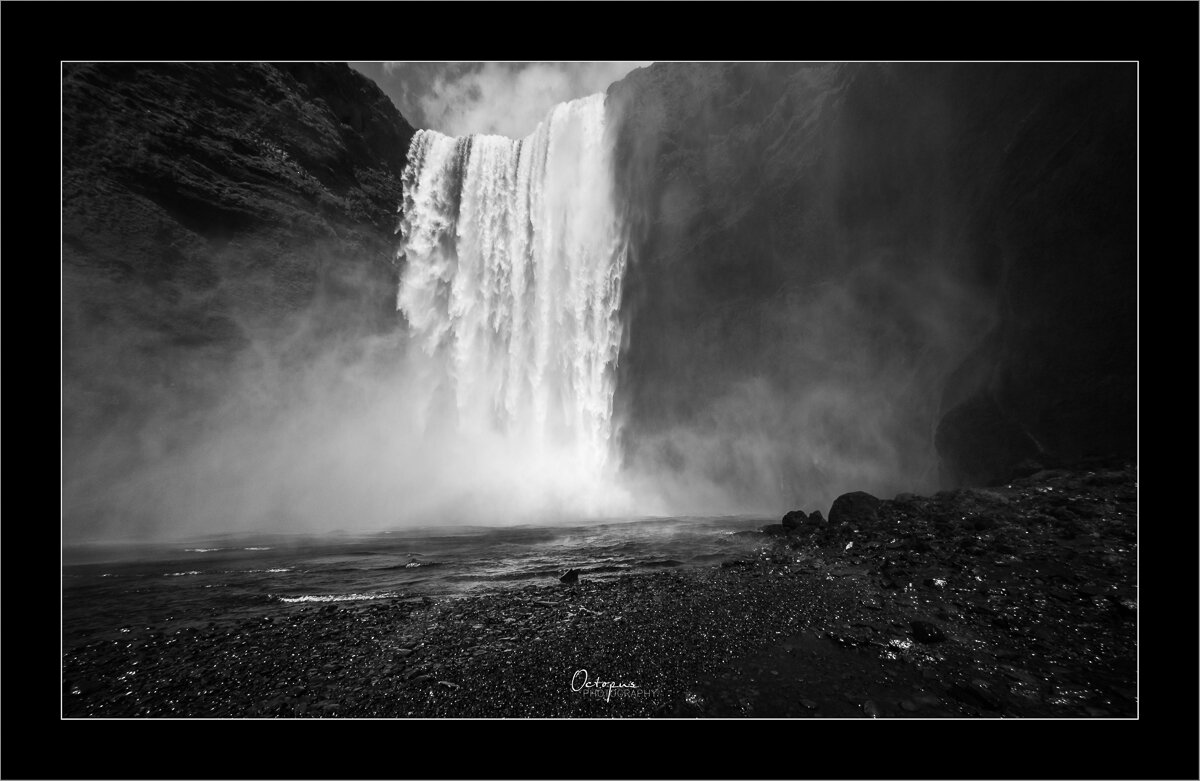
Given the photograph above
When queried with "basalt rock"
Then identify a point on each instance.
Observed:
(794, 519)
(856, 508)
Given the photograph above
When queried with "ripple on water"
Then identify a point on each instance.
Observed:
(337, 597)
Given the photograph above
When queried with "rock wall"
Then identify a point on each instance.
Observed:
(214, 217)
(871, 276)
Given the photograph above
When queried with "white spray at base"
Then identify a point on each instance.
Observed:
(513, 256)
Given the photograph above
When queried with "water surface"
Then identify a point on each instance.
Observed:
(110, 587)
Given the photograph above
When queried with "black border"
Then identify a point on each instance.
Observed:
(1162, 36)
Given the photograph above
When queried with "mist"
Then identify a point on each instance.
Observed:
(843, 395)
(354, 437)
(501, 98)
(507, 386)
(755, 290)
(803, 281)
(482, 397)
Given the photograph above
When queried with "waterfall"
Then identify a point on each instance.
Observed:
(512, 259)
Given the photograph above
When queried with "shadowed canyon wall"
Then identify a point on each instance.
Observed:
(220, 222)
(871, 276)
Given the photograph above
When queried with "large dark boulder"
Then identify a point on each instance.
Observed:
(794, 519)
(855, 509)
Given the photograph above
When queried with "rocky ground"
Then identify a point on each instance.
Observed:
(1013, 601)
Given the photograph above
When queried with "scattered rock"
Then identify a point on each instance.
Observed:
(850, 636)
(925, 632)
(977, 692)
(1127, 607)
(570, 576)
(838, 639)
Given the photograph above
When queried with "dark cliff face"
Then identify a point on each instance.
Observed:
(878, 277)
(1056, 379)
(215, 217)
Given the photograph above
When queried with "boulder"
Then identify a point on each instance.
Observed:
(856, 508)
(794, 519)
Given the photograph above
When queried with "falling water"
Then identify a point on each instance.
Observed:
(513, 256)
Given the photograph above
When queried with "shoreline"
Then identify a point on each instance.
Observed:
(1012, 601)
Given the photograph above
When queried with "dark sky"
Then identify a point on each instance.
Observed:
(507, 98)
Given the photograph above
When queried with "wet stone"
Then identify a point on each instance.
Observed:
(977, 692)
(664, 628)
(926, 632)
(850, 637)
(794, 519)
(855, 508)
